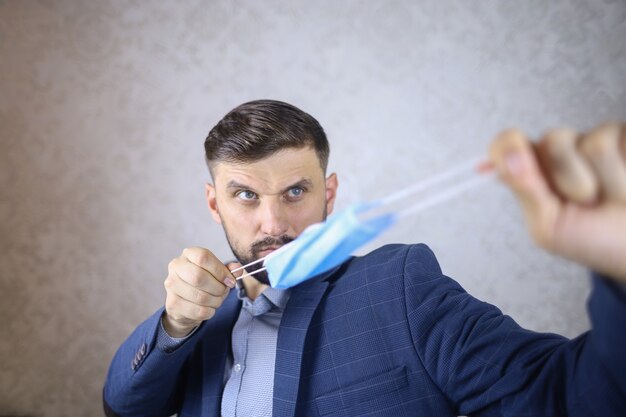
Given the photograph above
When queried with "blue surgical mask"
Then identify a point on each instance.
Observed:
(323, 246)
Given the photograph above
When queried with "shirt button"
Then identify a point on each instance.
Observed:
(238, 367)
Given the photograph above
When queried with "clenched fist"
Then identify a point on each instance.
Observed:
(196, 285)
(572, 188)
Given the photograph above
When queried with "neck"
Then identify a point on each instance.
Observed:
(253, 287)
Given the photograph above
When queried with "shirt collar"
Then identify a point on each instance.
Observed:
(278, 297)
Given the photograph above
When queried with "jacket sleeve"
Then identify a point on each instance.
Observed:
(487, 365)
(144, 380)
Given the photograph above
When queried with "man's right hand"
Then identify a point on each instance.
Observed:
(197, 284)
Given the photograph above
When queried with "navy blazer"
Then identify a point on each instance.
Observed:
(387, 334)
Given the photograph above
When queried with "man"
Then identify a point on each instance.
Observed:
(386, 334)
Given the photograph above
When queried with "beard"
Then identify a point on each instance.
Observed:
(253, 254)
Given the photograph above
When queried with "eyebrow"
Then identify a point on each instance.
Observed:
(304, 183)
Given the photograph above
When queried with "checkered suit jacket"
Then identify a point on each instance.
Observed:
(388, 334)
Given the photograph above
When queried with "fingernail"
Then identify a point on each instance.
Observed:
(229, 282)
(514, 163)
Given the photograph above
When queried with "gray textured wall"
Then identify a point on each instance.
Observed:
(104, 107)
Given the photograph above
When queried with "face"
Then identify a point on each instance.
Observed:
(265, 204)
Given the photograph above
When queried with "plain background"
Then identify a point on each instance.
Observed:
(104, 107)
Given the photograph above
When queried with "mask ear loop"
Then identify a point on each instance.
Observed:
(251, 273)
(247, 265)
(462, 169)
(475, 180)
(473, 173)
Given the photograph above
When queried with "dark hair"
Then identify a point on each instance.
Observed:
(257, 129)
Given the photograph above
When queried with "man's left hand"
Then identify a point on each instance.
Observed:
(572, 189)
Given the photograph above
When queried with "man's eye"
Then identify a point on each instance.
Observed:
(246, 195)
(295, 192)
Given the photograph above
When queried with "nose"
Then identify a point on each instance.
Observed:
(273, 218)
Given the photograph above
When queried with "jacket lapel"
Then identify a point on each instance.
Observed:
(292, 333)
(215, 353)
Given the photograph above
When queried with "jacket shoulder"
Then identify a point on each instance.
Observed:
(415, 256)
(389, 265)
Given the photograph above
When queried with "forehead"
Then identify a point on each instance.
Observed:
(270, 174)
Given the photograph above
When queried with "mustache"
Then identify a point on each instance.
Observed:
(270, 242)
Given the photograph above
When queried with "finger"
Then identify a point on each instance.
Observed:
(186, 312)
(235, 265)
(603, 149)
(514, 158)
(207, 261)
(176, 286)
(197, 277)
(568, 171)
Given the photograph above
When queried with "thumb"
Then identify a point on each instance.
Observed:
(514, 158)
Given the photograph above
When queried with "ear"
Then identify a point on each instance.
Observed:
(211, 202)
(331, 192)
